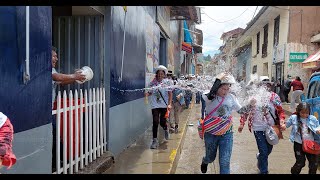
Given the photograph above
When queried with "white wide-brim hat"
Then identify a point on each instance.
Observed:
(163, 68)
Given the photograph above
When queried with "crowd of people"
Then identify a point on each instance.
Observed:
(217, 105)
(168, 97)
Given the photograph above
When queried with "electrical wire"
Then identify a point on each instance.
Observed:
(226, 20)
(254, 13)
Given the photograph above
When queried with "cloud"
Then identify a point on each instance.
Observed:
(213, 30)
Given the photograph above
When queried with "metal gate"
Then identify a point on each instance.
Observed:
(79, 40)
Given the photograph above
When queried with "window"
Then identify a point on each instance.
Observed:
(254, 69)
(258, 42)
(276, 31)
(265, 41)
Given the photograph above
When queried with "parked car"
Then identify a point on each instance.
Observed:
(313, 94)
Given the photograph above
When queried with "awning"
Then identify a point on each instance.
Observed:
(313, 61)
(186, 47)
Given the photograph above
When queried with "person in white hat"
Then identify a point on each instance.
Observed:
(160, 98)
(265, 110)
(219, 105)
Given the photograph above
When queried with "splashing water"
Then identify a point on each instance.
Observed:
(243, 91)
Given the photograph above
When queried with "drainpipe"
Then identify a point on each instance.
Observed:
(301, 11)
(124, 42)
(27, 72)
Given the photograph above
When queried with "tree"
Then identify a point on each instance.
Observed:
(207, 58)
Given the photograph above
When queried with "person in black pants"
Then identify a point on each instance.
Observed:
(287, 89)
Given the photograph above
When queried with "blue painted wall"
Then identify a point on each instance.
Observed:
(133, 76)
(27, 105)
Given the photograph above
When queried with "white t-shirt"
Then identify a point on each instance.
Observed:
(3, 119)
(156, 101)
(260, 122)
(229, 104)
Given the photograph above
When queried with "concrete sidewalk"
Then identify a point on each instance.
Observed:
(140, 159)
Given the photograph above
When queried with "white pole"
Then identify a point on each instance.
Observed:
(123, 44)
(27, 75)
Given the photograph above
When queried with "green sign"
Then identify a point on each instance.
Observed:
(298, 57)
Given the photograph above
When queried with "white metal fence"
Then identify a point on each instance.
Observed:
(82, 132)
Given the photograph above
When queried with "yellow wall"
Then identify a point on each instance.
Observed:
(283, 35)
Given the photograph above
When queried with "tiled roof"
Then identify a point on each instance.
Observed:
(232, 32)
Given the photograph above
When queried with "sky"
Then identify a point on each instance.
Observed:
(219, 19)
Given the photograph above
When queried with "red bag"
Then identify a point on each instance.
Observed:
(310, 147)
(167, 115)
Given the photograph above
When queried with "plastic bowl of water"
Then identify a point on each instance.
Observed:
(87, 71)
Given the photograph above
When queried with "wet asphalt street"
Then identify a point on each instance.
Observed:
(243, 159)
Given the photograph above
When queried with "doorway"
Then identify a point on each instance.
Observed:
(163, 50)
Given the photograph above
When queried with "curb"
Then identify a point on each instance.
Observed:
(99, 165)
(179, 148)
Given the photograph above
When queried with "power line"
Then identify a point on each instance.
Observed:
(254, 13)
(226, 20)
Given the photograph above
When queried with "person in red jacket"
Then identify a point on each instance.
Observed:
(7, 158)
(297, 91)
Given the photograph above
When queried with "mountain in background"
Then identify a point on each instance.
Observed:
(211, 53)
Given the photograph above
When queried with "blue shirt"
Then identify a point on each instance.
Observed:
(175, 93)
(312, 123)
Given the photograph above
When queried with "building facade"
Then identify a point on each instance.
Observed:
(122, 45)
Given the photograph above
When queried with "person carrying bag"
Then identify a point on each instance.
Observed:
(305, 138)
(210, 122)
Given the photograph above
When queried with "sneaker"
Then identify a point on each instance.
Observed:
(171, 130)
(154, 144)
(176, 129)
(204, 167)
(166, 134)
